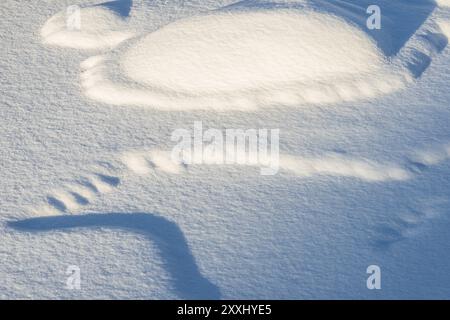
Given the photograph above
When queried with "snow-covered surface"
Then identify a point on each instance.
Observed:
(87, 178)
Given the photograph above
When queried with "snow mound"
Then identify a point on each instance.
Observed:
(85, 190)
(443, 3)
(445, 27)
(340, 166)
(144, 162)
(247, 51)
(94, 27)
(242, 59)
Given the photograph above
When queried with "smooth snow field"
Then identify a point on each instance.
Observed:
(88, 111)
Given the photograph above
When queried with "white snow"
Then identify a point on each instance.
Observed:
(240, 59)
(445, 26)
(443, 3)
(98, 28)
(88, 180)
(334, 165)
(248, 51)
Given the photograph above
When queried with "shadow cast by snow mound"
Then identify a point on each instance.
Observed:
(187, 279)
(121, 7)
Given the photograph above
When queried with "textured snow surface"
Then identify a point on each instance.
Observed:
(243, 58)
(98, 28)
(254, 54)
(443, 3)
(86, 175)
(244, 51)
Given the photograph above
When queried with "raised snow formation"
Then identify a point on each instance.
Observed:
(242, 60)
(255, 54)
(95, 27)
